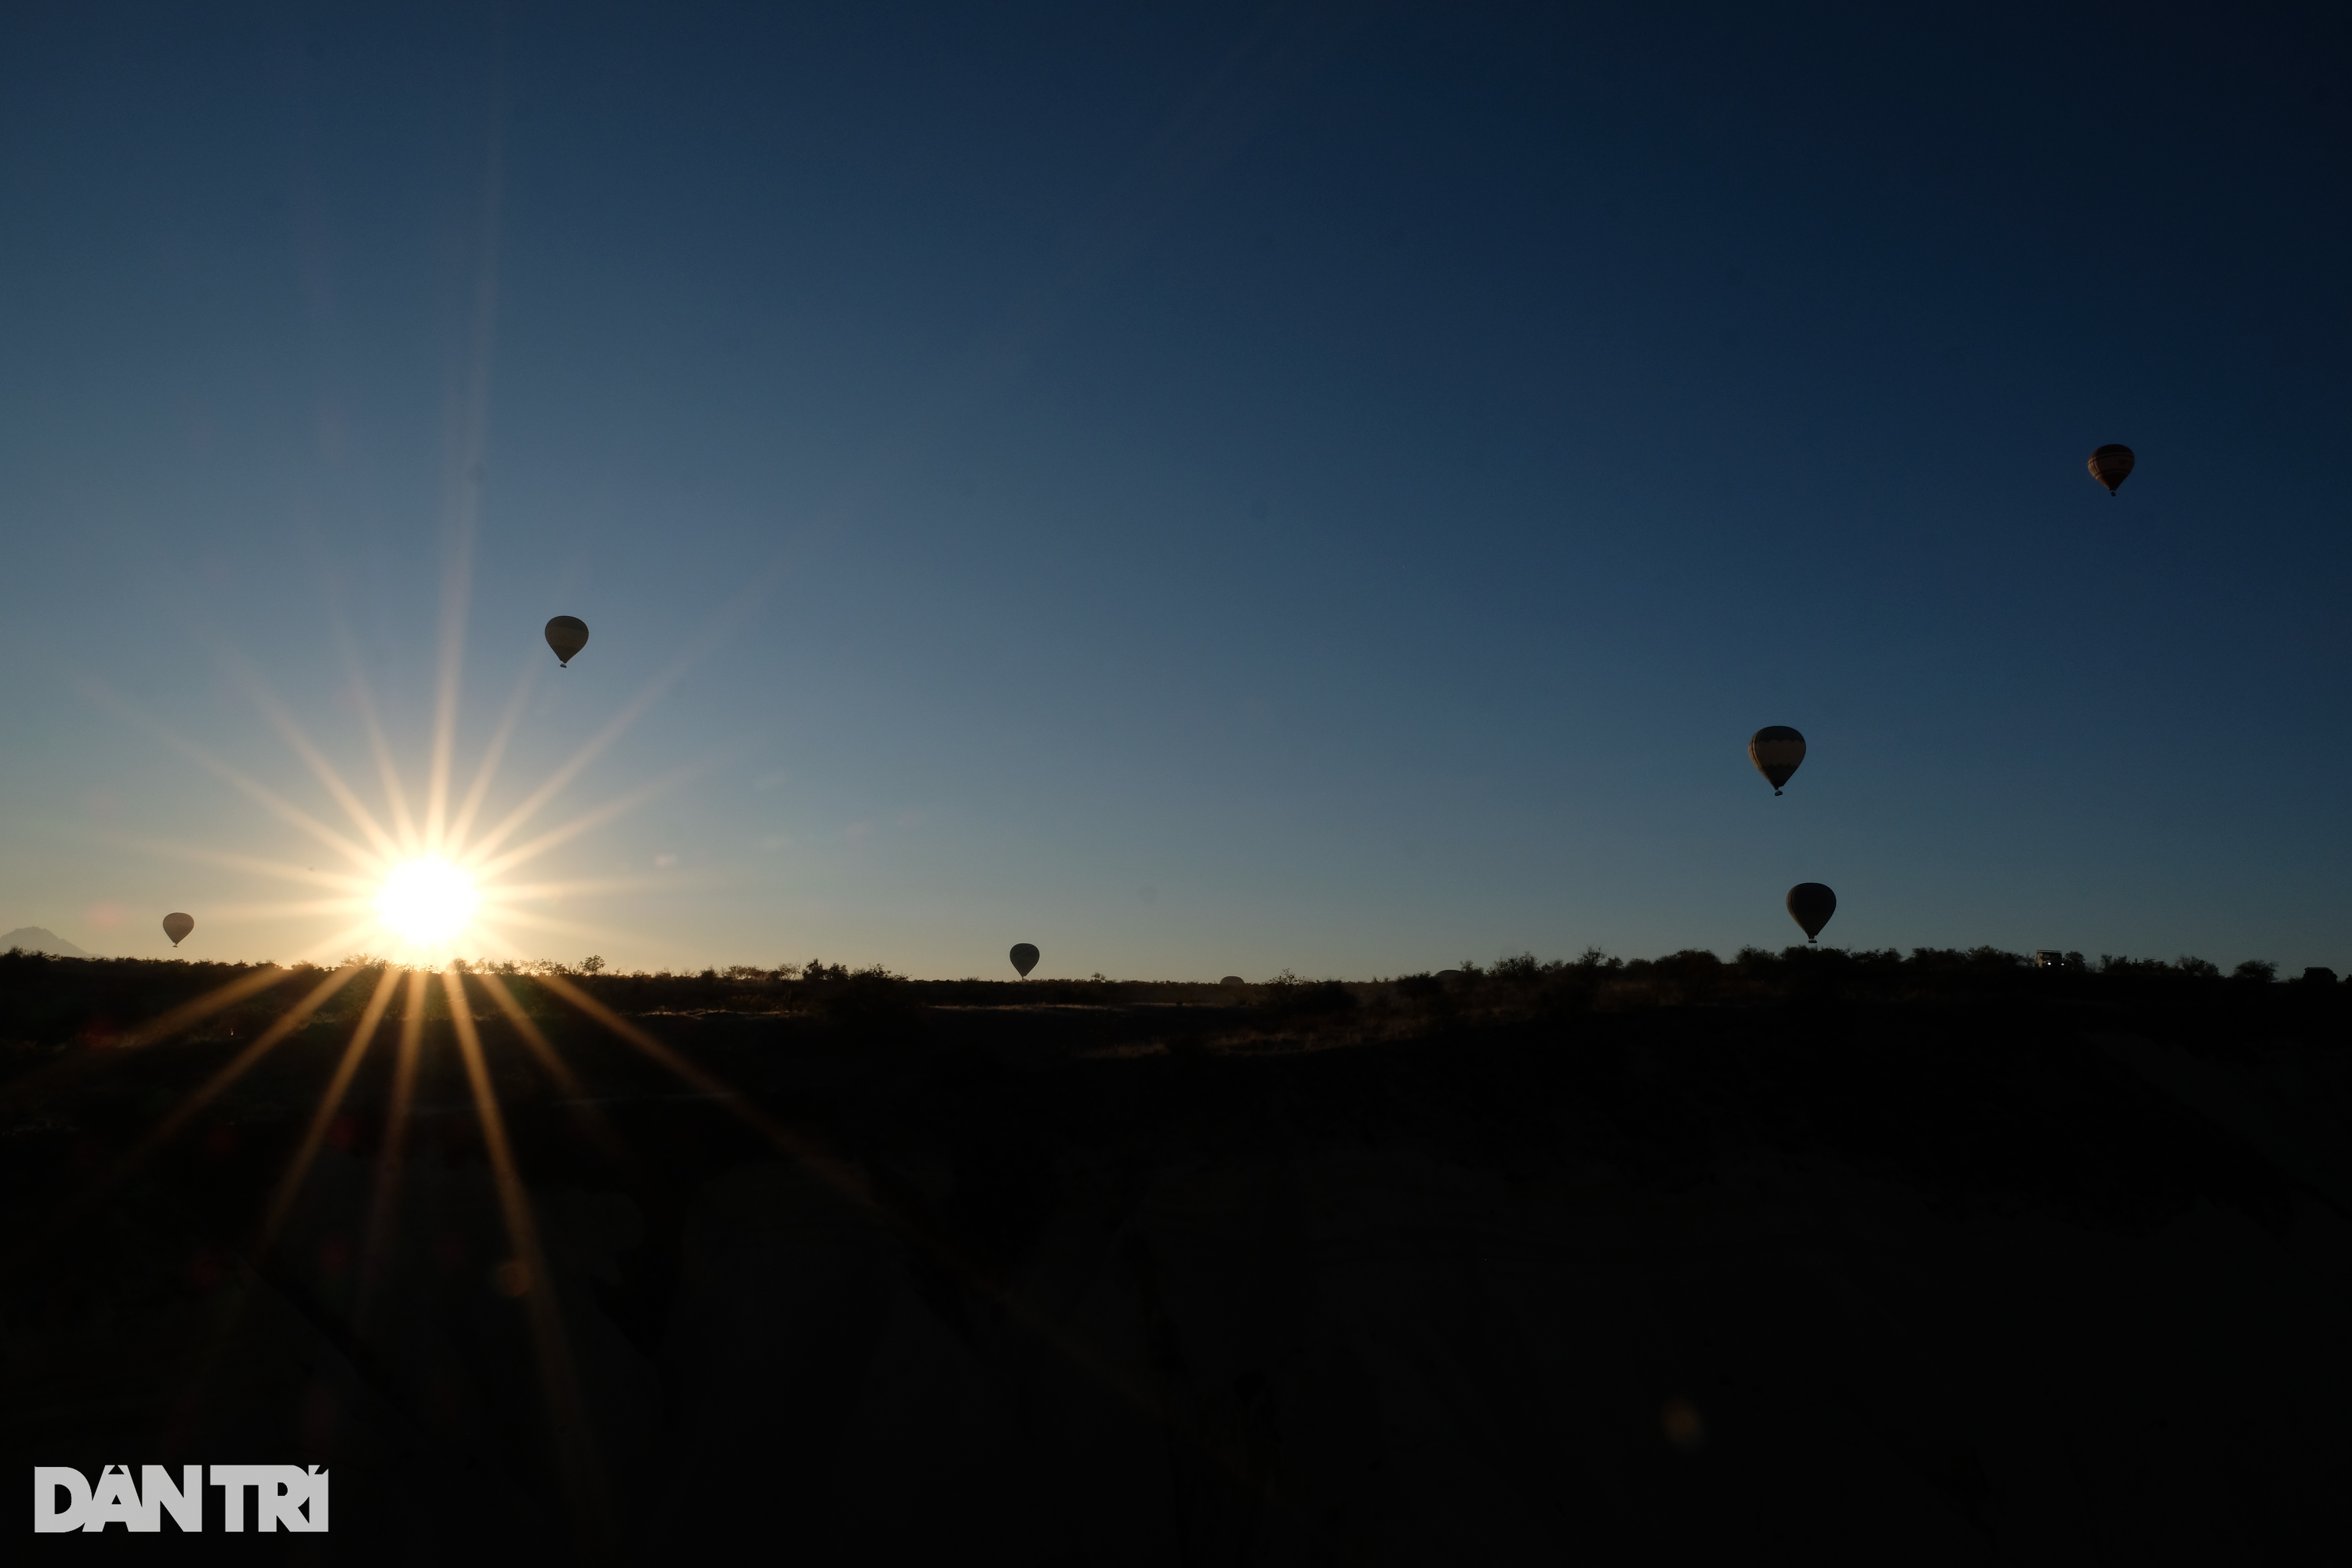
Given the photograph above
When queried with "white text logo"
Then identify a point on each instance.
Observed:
(284, 1497)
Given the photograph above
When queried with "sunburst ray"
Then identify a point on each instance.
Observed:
(380, 747)
(464, 453)
(565, 772)
(325, 771)
(129, 1164)
(559, 1380)
(492, 754)
(714, 628)
(592, 1121)
(269, 799)
(391, 1159)
(331, 1101)
(237, 914)
(594, 817)
(231, 861)
(1141, 1390)
(76, 1066)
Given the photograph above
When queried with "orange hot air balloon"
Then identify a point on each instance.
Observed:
(2112, 464)
(1811, 905)
(176, 926)
(1776, 749)
(567, 634)
(1024, 957)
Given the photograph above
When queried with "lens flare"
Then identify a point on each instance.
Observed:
(427, 903)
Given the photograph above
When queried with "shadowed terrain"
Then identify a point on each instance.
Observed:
(1816, 1256)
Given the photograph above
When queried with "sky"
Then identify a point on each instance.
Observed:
(1206, 490)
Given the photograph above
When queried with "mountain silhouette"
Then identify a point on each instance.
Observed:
(40, 939)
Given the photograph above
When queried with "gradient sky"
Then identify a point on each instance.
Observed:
(1203, 488)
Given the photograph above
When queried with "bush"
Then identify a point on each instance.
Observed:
(1287, 996)
(1690, 975)
(867, 1005)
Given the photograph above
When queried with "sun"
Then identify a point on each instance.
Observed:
(426, 902)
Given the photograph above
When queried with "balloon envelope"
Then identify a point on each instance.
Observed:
(1811, 905)
(1024, 957)
(567, 634)
(1233, 980)
(176, 925)
(1776, 749)
(2112, 464)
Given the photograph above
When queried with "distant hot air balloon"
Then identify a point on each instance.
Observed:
(567, 634)
(2111, 465)
(1024, 957)
(1811, 905)
(1233, 980)
(177, 926)
(1776, 749)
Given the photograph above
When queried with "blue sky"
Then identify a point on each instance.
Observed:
(1205, 490)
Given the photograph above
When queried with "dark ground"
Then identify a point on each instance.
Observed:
(1814, 1258)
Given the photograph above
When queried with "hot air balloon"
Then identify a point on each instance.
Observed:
(1233, 980)
(177, 926)
(1811, 905)
(1024, 957)
(2111, 465)
(1776, 749)
(567, 634)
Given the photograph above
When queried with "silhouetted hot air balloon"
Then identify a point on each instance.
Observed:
(176, 926)
(1811, 905)
(1024, 957)
(1233, 980)
(567, 634)
(1776, 749)
(2111, 465)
